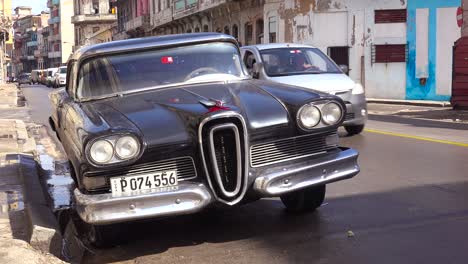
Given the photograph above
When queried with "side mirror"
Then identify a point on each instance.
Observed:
(257, 67)
(344, 68)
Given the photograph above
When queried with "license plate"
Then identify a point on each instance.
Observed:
(154, 182)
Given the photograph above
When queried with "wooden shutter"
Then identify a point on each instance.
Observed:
(390, 16)
(389, 53)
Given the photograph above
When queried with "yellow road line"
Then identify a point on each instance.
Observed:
(417, 137)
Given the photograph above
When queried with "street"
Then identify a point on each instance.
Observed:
(408, 205)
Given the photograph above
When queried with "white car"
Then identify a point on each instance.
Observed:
(50, 76)
(60, 77)
(308, 67)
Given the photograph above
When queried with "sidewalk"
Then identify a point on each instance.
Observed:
(16, 148)
(409, 102)
(434, 113)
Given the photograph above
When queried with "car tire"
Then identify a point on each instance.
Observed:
(304, 201)
(354, 130)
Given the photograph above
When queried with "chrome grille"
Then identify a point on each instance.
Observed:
(289, 149)
(349, 116)
(184, 166)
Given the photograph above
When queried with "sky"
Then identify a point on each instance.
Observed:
(37, 5)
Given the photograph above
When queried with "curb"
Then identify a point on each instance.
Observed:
(43, 229)
(409, 102)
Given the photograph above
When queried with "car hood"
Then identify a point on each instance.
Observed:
(325, 82)
(172, 115)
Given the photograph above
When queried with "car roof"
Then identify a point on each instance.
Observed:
(150, 42)
(278, 46)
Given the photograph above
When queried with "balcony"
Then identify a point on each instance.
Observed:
(37, 53)
(54, 20)
(55, 54)
(138, 22)
(95, 18)
(31, 43)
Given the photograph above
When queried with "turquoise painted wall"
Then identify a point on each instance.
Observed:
(414, 90)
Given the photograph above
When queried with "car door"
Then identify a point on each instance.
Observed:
(249, 59)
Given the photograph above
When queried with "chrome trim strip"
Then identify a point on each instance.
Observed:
(238, 154)
(226, 114)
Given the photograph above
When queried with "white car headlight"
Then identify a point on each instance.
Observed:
(358, 89)
(331, 113)
(101, 151)
(308, 116)
(127, 147)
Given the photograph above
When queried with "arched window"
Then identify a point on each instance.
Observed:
(205, 28)
(189, 30)
(219, 30)
(226, 30)
(197, 29)
(235, 31)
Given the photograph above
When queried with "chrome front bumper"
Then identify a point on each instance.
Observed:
(101, 209)
(330, 168)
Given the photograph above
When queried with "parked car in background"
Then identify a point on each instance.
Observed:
(24, 78)
(308, 67)
(192, 131)
(50, 76)
(60, 77)
(43, 77)
(35, 75)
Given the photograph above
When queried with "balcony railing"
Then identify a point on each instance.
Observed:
(54, 20)
(138, 22)
(94, 18)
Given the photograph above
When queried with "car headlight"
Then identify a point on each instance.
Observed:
(309, 116)
(358, 89)
(127, 147)
(331, 113)
(101, 151)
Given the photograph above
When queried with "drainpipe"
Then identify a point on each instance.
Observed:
(464, 30)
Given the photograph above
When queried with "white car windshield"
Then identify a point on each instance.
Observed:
(123, 73)
(294, 61)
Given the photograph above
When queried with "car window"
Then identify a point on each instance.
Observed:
(63, 70)
(293, 61)
(131, 71)
(249, 60)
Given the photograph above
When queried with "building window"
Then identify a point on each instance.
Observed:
(205, 28)
(259, 31)
(389, 53)
(168, 3)
(197, 29)
(390, 16)
(272, 29)
(159, 5)
(226, 30)
(248, 32)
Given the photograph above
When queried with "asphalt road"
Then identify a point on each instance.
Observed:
(408, 205)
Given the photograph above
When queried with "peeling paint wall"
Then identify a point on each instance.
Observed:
(341, 23)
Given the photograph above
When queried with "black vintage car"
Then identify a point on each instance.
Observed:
(171, 125)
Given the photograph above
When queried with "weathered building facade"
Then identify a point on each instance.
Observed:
(26, 40)
(386, 48)
(61, 32)
(94, 21)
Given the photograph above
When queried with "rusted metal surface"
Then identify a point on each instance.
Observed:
(460, 74)
(390, 16)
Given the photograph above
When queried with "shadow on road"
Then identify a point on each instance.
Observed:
(398, 225)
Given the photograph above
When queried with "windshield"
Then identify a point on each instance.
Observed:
(293, 61)
(63, 70)
(115, 74)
